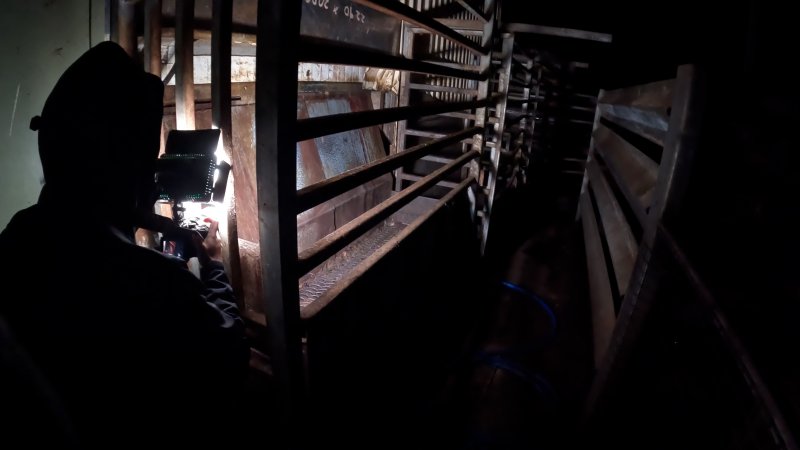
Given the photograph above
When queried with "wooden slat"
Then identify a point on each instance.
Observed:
(152, 37)
(603, 317)
(680, 146)
(634, 172)
(126, 23)
(276, 174)
(622, 246)
(656, 95)
(184, 64)
(643, 109)
(650, 124)
(221, 24)
(558, 31)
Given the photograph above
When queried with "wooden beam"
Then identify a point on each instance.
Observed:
(152, 37)
(634, 172)
(558, 32)
(184, 64)
(622, 246)
(602, 302)
(221, 24)
(276, 174)
(126, 23)
(681, 143)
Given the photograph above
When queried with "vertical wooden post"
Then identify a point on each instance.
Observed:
(221, 24)
(126, 26)
(184, 64)
(152, 37)
(276, 174)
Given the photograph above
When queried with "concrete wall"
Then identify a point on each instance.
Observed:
(39, 39)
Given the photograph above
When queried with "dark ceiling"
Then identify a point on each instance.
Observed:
(649, 38)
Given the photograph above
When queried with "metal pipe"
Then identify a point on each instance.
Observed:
(184, 64)
(152, 37)
(319, 50)
(332, 243)
(400, 11)
(313, 195)
(335, 123)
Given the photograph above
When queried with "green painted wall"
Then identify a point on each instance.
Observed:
(39, 39)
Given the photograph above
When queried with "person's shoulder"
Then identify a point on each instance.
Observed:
(22, 226)
(23, 220)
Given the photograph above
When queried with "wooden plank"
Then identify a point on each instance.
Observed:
(622, 246)
(184, 64)
(681, 143)
(126, 23)
(558, 32)
(221, 24)
(602, 302)
(634, 172)
(655, 96)
(643, 109)
(152, 37)
(276, 174)
(650, 124)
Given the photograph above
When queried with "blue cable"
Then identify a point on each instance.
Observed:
(539, 383)
(539, 300)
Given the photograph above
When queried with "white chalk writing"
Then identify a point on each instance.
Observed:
(349, 12)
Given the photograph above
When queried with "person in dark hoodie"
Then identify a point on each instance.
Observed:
(139, 352)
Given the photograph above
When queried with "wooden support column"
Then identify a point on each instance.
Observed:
(221, 23)
(184, 64)
(276, 173)
(126, 26)
(152, 37)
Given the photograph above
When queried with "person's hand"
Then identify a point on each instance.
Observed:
(210, 248)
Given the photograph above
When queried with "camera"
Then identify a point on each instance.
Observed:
(187, 174)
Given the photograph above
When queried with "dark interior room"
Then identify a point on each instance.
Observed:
(505, 224)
